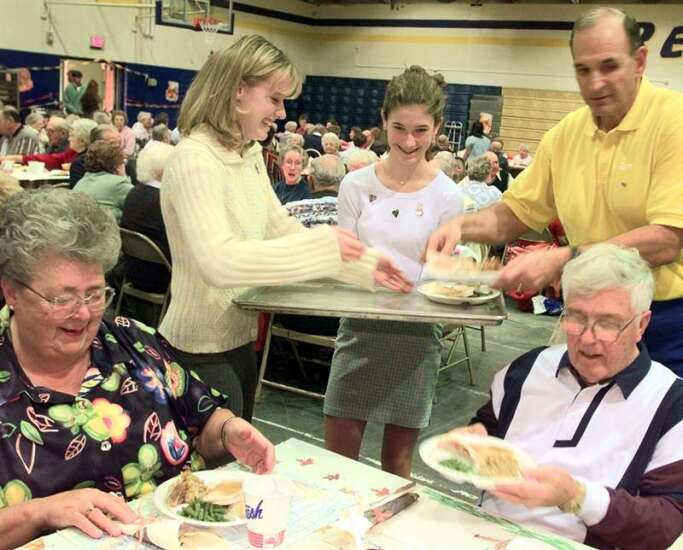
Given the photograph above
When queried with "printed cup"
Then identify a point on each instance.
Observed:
(267, 500)
(35, 166)
(8, 166)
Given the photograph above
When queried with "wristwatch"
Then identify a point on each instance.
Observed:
(573, 506)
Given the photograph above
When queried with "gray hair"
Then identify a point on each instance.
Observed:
(289, 148)
(328, 170)
(607, 266)
(42, 222)
(592, 17)
(360, 158)
(331, 136)
(446, 162)
(152, 160)
(82, 129)
(100, 130)
(32, 118)
(101, 117)
(295, 140)
(144, 115)
(291, 126)
(479, 168)
(59, 123)
(160, 132)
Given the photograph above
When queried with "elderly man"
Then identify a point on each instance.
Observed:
(602, 420)
(522, 159)
(358, 158)
(15, 137)
(57, 135)
(326, 173)
(610, 171)
(504, 169)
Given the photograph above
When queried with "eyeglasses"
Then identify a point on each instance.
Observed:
(602, 329)
(65, 306)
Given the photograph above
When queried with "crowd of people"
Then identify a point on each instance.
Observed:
(234, 203)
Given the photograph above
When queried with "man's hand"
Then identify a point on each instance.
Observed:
(473, 429)
(249, 446)
(544, 486)
(92, 511)
(533, 270)
(446, 237)
(390, 276)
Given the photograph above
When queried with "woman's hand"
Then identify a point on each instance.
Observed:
(390, 276)
(90, 510)
(249, 446)
(349, 246)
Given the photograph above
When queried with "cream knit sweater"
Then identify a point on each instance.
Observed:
(227, 232)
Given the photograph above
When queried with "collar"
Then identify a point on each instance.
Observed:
(627, 379)
(635, 115)
(105, 352)
(153, 183)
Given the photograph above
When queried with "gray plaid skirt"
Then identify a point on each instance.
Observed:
(384, 371)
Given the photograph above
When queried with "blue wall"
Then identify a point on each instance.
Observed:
(45, 82)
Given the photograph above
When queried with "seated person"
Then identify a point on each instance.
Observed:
(58, 152)
(36, 121)
(602, 420)
(89, 391)
(477, 187)
(57, 131)
(522, 159)
(445, 161)
(327, 172)
(358, 158)
(142, 213)
(120, 122)
(459, 171)
(292, 160)
(331, 143)
(79, 141)
(105, 179)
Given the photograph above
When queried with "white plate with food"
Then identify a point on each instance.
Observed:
(457, 293)
(212, 498)
(461, 269)
(483, 461)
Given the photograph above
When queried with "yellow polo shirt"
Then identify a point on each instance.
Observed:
(603, 184)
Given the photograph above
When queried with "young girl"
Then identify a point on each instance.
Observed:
(226, 228)
(386, 371)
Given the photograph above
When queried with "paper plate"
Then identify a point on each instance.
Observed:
(431, 290)
(210, 477)
(432, 455)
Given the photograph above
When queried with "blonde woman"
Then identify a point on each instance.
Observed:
(227, 229)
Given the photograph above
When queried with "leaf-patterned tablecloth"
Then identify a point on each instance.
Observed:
(326, 485)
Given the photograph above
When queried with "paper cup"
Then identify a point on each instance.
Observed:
(267, 500)
(35, 166)
(8, 166)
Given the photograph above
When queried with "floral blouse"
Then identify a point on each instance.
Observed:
(129, 428)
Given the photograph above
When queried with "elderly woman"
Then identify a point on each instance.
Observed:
(120, 122)
(143, 127)
(105, 179)
(79, 141)
(293, 159)
(477, 188)
(330, 142)
(92, 409)
(142, 213)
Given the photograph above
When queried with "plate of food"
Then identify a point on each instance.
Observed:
(212, 498)
(483, 461)
(457, 293)
(461, 269)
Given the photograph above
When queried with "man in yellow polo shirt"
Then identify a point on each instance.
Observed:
(610, 171)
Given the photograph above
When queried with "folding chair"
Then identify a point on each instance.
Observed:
(452, 334)
(139, 246)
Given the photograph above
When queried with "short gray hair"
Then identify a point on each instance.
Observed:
(294, 140)
(152, 160)
(68, 224)
(478, 168)
(144, 115)
(592, 17)
(82, 129)
(159, 132)
(360, 158)
(101, 117)
(331, 136)
(328, 170)
(607, 266)
(288, 149)
(32, 118)
(59, 123)
(291, 126)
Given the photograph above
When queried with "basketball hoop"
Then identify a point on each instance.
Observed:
(209, 27)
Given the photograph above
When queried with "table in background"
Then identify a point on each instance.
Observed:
(435, 522)
(332, 299)
(33, 180)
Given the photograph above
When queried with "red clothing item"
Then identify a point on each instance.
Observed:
(53, 161)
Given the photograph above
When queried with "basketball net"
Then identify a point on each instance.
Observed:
(209, 29)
